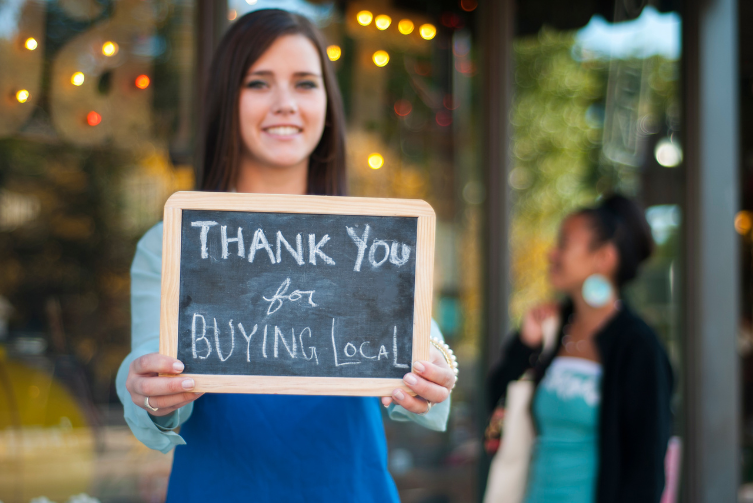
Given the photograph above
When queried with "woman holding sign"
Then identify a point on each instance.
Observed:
(274, 124)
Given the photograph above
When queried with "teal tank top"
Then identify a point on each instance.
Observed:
(565, 455)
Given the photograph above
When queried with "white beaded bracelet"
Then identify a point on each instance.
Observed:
(449, 356)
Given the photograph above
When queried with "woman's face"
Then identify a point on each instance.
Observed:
(283, 104)
(575, 257)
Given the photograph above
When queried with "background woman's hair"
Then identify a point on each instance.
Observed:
(621, 221)
(244, 43)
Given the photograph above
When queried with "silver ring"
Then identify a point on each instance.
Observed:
(430, 405)
(155, 409)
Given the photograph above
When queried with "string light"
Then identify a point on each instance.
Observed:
(364, 17)
(232, 14)
(376, 161)
(109, 49)
(30, 43)
(428, 31)
(334, 52)
(22, 95)
(93, 118)
(383, 21)
(468, 5)
(743, 222)
(405, 26)
(77, 79)
(381, 58)
(403, 108)
(142, 81)
(443, 118)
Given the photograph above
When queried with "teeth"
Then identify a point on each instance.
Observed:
(283, 130)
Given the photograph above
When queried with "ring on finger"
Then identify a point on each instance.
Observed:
(429, 405)
(153, 409)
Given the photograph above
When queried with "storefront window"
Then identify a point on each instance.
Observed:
(96, 110)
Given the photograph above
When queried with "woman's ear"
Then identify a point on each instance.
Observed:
(608, 260)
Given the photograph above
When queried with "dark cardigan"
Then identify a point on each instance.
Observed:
(635, 419)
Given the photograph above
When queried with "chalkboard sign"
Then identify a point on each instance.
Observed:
(296, 294)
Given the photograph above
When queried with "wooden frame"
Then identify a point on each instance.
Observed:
(312, 205)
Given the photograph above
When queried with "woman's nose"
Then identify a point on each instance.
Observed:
(284, 103)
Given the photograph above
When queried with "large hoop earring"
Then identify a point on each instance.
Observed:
(597, 291)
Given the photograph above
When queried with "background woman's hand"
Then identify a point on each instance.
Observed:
(165, 393)
(431, 381)
(532, 330)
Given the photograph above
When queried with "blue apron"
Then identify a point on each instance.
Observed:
(278, 448)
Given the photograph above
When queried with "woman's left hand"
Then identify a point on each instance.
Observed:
(432, 381)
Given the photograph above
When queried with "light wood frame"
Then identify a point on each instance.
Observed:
(312, 205)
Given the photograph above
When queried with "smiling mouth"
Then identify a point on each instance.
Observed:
(283, 130)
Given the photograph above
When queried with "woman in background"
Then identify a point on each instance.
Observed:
(274, 124)
(602, 402)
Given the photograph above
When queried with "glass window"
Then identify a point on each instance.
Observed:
(96, 108)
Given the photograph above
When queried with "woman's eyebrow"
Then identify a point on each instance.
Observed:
(296, 74)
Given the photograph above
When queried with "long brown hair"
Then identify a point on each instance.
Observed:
(243, 44)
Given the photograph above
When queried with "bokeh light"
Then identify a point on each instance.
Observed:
(450, 102)
(77, 78)
(381, 58)
(30, 43)
(450, 20)
(93, 118)
(743, 222)
(428, 31)
(443, 118)
(232, 14)
(109, 49)
(22, 96)
(468, 5)
(383, 21)
(405, 26)
(334, 52)
(142, 81)
(403, 107)
(667, 153)
(251, 2)
(364, 17)
(376, 161)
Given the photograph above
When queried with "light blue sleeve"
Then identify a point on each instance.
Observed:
(146, 278)
(436, 418)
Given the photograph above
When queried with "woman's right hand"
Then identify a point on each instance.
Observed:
(532, 331)
(165, 393)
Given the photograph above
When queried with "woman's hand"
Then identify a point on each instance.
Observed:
(432, 381)
(532, 330)
(165, 393)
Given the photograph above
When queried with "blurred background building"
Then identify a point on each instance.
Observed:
(505, 115)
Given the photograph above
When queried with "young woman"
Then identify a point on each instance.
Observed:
(602, 402)
(274, 123)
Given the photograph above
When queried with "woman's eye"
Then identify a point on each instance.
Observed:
(307, 84)
(256, 84)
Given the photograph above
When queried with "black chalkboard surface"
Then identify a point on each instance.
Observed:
(311, 295)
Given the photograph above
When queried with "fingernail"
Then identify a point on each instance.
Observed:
(410, 379)
(418, 367)
(398, 394)
(188, 384)
(178, 367)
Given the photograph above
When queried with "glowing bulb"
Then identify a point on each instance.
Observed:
(22, 95)
(667, 153)
(232, 14)
(405, 26)
(334, 52)
(93, 118)
(428, 31)
(381, 58)
(77, 79)
(30, 43)
(251, 2)
(743, 222)
(383, 21)
(109, 49)
(364, 17)
(376, 161)
(142, 81)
